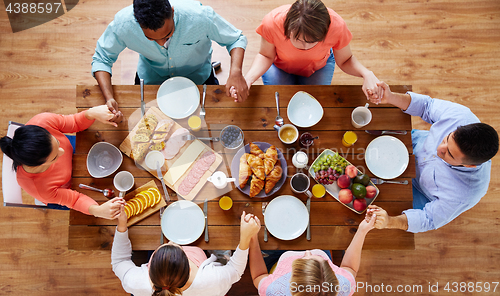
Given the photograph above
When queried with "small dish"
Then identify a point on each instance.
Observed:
(387, 157)
(304, 110)
(178, 97)
(103, 159)
(231, 137)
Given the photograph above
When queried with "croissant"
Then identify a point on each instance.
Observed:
(257, 166)
(245, 170)
(256, 186)
(270, 159)
(273, 177)
(255, 150)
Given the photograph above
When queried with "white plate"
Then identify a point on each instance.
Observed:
(304, 110)
(183, 222)
(387, 157)
(178, 97)
(153, 157)
(286, 217)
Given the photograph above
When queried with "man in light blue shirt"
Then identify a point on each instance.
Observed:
(172, 40)
(453, 162)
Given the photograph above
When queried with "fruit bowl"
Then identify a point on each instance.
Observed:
(337, 164)
(231, 137)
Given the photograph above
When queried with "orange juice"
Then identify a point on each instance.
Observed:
(194, 123)
(225, 203)
(318, 190)
(349, 138)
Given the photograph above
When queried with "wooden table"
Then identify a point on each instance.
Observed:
(332, 224)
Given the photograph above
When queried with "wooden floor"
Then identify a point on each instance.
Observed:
(448, 49)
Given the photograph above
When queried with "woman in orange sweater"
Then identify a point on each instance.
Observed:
(42, 157)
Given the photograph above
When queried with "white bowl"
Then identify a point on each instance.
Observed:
(103, 159)
(178, 97)
(304, 110)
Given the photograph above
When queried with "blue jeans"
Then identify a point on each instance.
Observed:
(417, 140)
(276, 76)
(419, 199)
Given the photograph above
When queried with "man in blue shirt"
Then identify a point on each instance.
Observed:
(453, 162)
(172, 40)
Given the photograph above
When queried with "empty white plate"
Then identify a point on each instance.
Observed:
(304, 110)
(387, 157)
(178, 97)
(183, 222)
(286, 217)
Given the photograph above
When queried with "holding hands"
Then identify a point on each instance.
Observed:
(104, 114)
(109, 210)
(249, 227)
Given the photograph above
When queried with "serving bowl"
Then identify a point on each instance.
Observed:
(103, 159)
(304, 110)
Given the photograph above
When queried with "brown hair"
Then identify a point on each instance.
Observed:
(313, 273)
(168, 270)
(307, 18)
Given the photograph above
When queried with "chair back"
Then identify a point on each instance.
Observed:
(12, 195)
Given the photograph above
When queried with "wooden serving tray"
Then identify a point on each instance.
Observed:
(147, 212)
(126, 148)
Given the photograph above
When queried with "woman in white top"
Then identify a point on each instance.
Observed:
(176, 270)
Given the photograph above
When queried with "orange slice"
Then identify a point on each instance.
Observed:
(137, 206)
(151, 198)
(131, 207)
(127, 211)
(157, 194)
(143, 199)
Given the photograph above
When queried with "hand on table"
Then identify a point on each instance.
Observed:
(382, 218)
(369, 222)
(385, 93)
(370, 87)
(102, 114)
(237, 88)
(113, 108)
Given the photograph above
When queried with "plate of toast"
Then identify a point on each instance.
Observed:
(260, 168)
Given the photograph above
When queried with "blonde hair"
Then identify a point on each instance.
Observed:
(313, 273)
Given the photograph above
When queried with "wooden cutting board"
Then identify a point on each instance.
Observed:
(126, 148)
(147, 212)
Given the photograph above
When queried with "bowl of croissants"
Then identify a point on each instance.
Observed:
(261, 169)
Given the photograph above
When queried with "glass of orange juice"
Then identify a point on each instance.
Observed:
(225, 203)
(318, 190)
(349, 138)
(194, 123)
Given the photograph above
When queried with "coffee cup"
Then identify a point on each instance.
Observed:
(361, 116)
(300, 184)
(288, 133)
(123, 181)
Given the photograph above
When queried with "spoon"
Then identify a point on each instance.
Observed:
(278, 122)
(107, 192)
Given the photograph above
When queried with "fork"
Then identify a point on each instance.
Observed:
(202, 111)
(378, 181)
(190, 137)
(264, 205)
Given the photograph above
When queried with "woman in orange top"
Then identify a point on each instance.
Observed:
(300, 44)
(42, 158)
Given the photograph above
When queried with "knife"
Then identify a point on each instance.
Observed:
(379, 133)
(143, 105)
(308, 206)
(202, 112)
(205, 211)
(158, 170)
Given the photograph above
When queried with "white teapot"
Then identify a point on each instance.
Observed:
(219, 179)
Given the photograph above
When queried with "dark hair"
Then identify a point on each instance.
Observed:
(168, 270)
(151, 14)
(309, 18)
(478, 141)
(31, 145)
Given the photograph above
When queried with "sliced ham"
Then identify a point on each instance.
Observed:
(174, 143)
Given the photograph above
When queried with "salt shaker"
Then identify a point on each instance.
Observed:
(300, 160)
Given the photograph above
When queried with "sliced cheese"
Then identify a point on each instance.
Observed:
(182, 164)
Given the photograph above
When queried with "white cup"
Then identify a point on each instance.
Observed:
(300, 184)
(123, 181)
(285, 133)
(361, 116)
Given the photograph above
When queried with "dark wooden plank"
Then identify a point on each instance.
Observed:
(327, 140)
(260, 95)
(262, 119)
(227, 237)
(388, 192)
(323, 213)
